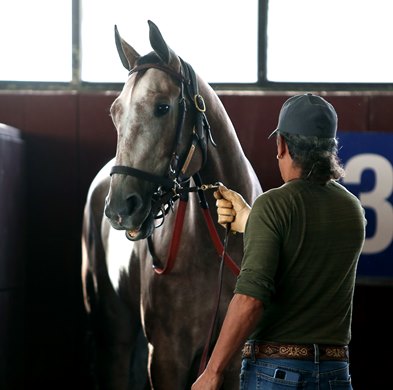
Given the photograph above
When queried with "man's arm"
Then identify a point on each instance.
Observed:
(242, 316)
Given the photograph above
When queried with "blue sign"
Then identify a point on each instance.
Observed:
(368, 162)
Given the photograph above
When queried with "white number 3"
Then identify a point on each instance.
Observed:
(376, 199)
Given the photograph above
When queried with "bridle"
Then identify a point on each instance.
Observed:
(175, 183)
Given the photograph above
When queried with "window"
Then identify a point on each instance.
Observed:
(255, 44)
(213, 36)
(330, 41)
(36, 40)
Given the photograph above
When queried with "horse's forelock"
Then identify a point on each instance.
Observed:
(151, 58)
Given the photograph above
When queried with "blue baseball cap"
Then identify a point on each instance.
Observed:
(309, 115)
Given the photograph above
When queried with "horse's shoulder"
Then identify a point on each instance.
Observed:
(94, 207)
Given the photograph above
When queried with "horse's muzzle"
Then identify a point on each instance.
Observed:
(138, 225)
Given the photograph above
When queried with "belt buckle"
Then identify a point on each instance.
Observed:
(250, 349)
(246, 351)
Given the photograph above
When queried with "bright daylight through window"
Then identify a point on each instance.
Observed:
(213, 36)
(36, 40)
(335, 41)
(330, 41)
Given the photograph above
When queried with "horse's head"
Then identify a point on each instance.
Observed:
(160, 123)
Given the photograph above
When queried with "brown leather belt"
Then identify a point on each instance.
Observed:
(314, 352)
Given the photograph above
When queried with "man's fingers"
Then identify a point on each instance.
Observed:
(227, 193)
(226, 211)
(225, 215)
(222, 192)
(224, 219)
(223, 203)
(217, 194)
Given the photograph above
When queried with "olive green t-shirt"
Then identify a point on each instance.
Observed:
(301, 248)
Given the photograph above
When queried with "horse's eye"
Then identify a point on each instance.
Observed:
(161, 109)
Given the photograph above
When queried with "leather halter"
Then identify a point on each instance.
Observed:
(172, 182)
(175, 185)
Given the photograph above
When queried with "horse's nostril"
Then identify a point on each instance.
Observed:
(133, 204)
(119, 211)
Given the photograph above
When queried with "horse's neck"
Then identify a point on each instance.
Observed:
(227, 163)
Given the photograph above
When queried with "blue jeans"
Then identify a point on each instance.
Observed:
(286, 374)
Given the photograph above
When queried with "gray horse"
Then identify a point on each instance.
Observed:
(151, 298)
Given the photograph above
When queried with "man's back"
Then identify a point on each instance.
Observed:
(302, 244)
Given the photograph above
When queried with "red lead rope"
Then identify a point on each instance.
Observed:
(217, 243)
(177, 230)
(181, 211)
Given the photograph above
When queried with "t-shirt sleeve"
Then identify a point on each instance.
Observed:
(261, 251)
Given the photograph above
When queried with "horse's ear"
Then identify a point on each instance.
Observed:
(159, 45)
(127, 54)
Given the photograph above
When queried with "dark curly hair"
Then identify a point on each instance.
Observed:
(316, 157)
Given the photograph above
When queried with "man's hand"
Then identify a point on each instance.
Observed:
(208, 381)
(243, 314)
(231, 208)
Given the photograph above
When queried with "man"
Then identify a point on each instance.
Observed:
(302, 241)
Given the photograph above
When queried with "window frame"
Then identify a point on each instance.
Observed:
(76, 84)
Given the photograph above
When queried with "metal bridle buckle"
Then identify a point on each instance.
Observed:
(205, 187)
(199, 103)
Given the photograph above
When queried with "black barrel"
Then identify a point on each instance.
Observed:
(12, 257)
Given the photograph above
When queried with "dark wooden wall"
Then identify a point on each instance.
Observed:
(68, 137)
(12, 275)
